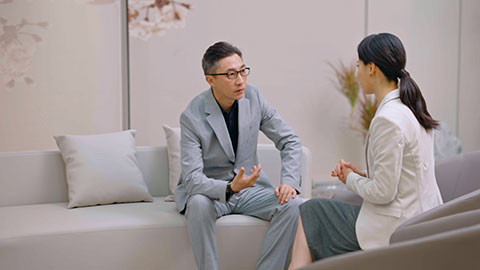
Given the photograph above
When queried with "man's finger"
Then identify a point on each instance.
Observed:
(284, 194)
(289, 195)
(282, 198)
(280, 194)
(241, 172)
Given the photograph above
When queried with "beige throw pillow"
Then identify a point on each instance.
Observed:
(173, 149)
(102, 169)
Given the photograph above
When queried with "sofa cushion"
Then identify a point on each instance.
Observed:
(55, 218)
(173, 148)
(102, 169)
(118, 236)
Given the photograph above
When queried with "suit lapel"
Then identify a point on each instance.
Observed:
(393, 95)
(366, 152)
(243, 124)
(217, 122)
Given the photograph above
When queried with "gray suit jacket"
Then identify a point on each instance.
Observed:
(207, 157)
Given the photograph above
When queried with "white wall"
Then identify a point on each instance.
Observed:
(429, 31)
(469, 89)
(78, 80)
(288, 44)
(76, 70)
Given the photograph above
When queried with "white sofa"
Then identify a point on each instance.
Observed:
(37, 231)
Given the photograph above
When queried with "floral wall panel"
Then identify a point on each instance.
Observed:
(18, 43)
(60, 70)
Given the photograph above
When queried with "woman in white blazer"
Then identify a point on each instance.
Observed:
(399, 182)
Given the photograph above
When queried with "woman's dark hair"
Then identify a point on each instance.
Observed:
(387, 52)
(216, 52)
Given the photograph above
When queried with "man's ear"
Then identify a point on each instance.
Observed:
(210, 80)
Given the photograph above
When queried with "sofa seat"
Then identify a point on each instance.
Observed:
(125, 236)
(37, 231)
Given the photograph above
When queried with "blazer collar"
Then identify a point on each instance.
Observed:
(244, 124)
(394, 94)
(215, 119)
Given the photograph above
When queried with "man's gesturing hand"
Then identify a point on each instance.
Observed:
(240, 181)
(284, 193)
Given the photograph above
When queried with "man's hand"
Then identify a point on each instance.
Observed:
(241, 182)
(284, 193)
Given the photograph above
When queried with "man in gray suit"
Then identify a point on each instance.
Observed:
(219, 134)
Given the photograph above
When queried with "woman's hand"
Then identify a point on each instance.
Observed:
(343, 169)
(355, 169)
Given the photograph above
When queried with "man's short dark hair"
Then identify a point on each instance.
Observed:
(216, 52)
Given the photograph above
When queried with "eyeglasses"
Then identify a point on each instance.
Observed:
(233, 74)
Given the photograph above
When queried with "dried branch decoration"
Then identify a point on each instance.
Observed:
(362, 107)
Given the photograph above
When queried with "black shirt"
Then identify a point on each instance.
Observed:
(231, 121)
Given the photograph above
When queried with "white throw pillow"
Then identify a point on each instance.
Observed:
(173, 149)
(102, 169)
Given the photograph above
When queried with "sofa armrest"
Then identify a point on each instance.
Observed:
(439, 225)
(456, 249)
(269, 157)
(467, 202)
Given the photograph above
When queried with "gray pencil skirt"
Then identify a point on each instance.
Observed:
(329, 227)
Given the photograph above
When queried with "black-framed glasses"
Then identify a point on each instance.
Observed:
(233, 74)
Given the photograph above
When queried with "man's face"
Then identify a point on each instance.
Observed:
(226, 90)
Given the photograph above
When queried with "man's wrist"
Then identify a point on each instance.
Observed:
(230, 189)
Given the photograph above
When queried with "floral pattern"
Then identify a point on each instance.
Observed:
(97, 2)
(17, 47)
(18, 42)
(147, 18)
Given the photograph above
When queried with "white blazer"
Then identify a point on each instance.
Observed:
(400, 182)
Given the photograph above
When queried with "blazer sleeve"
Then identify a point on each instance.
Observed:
(194, 180)
(386, 146)
(285, 140)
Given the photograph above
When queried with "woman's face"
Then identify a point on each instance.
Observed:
(363, 75)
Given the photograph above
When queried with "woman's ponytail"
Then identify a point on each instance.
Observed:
(412, 97)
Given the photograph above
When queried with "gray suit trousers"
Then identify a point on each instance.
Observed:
(202, 213)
